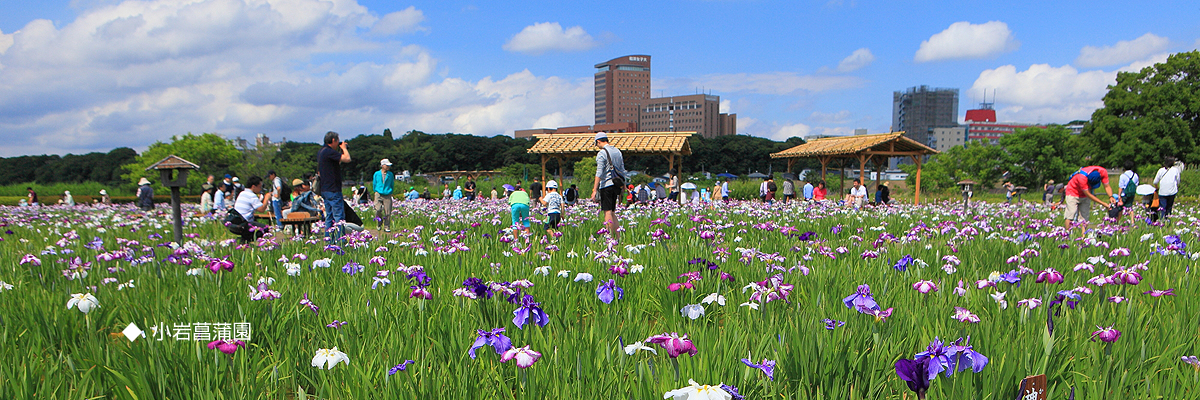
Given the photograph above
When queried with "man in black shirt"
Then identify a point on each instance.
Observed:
(535, 191)
(470, 190)
(329, 167)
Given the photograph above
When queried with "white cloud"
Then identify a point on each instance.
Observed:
(549, 36)
(724, 106)
(779, 83)
(858, 59)
(1123, 52)
(403, 21)
(964, 40)
(839, 117)
(1047, 94)
(135, 72)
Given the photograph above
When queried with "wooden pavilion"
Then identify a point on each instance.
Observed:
(560, 147)
(877, 148)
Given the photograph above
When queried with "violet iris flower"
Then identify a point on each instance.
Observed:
(1012, 277)
(1159, 293)
(733, 392)
(494, 338)
(904, 262)
(767, 367)
(915, 374)
(529, 310)
(940, 358)
(1050, 275)
(807, 236)
(400, 367)
(217, 265)
(674, 344)
(605, 291)
(861, 299)
(832, 324)
(476, 285)
(965, 357)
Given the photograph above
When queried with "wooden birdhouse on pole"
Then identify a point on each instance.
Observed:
(173, 172)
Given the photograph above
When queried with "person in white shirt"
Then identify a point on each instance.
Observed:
(554, 205)
(1126, 190)
(858, 194)
(276, 195)
(206, 199)
(1167, 180)
(247, 203)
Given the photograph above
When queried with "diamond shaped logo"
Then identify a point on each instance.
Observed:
(132, 332)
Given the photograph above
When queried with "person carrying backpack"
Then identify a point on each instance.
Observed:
(1078, 194)
(1127, 186)
(1167, 180)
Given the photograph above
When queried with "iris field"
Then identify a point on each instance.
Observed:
(822, 302)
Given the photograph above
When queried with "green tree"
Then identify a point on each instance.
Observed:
(585, 175)
(1035, 155)
(1149, 114)
(976, 161)
(214, 155)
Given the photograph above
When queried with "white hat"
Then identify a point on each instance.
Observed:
(1143, 190)
(103, 192)
(385, 162)
(601, 135)
(235, 179)
(551, 184)
(68, 192)
(144, 181)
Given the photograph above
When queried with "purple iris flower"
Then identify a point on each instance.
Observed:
(836, 229)
(476, 285)
(1012, 277)
(904, 262)
(1159, 293)
(733, 392)
(352, 268)
(530, 310)
(965, 357)
(915, 375)
(401, 367)
(767, 366)
(861, 299)
(494, 338)
(832, 324)
(940, 359)
(605, 291)
(807, 236)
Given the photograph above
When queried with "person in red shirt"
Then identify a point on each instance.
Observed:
(1079, 196)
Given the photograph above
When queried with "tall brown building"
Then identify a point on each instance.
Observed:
(622, 84)
(700, 113)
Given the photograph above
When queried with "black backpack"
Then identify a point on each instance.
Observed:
(771, 186)
(572, 194)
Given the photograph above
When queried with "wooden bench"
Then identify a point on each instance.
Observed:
(300, 220)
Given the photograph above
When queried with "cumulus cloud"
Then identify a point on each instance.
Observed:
(131, 73)
(404, 21)
(1048, 94)
(1123, 52)
(964, 40)
(858, 59)
(549, 37)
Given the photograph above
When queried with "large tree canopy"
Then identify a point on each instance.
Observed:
(1149, 114)
(214, 154)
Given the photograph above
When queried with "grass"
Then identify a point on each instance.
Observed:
(59, 353)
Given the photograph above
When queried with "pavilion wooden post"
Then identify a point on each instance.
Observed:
(790, 161)
(824, 163)
(917, 189)
(862, 168)
(543, 167)
(879, 169)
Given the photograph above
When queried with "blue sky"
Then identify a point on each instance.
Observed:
(90, 75)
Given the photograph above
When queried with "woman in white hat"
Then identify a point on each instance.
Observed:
(104, 197)
(67, 199)
(145, 195)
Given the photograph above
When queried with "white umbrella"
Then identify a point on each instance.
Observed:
(689, 186)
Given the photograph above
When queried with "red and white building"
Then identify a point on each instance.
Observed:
(981, 125)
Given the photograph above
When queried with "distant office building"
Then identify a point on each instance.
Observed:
(945, 138)
(860, 131)
(918, 110)
(621, 85)
(1076, 127)
(528, 133)
(700, 113)
(981, 124)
